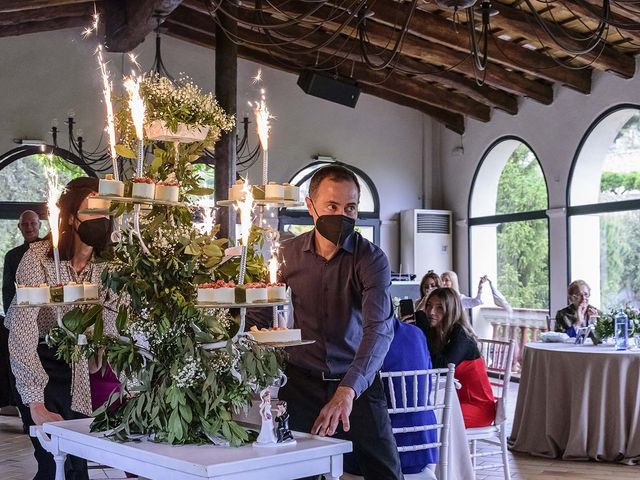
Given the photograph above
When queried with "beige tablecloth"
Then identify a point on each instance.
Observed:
(578, 402)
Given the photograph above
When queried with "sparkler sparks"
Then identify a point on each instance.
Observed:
(257, 78)
(245, 207)
(106, 91)
(136, 104)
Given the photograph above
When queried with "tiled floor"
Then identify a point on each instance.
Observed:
(17, 463)
(16, 454)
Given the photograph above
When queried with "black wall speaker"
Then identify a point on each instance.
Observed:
(344, 91)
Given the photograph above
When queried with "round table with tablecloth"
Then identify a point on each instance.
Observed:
(578, 402)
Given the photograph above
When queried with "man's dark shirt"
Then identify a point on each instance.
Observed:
(343, 304)
(11, 262)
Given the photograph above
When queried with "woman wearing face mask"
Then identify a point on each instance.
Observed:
(579, 313)
(50, 389)
(452, 340)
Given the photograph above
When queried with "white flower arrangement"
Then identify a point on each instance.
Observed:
(189, 374)
(174, 103)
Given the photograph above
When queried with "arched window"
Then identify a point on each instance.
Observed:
(604, 209)
(297, 220)
(23, 187)
(508, 234)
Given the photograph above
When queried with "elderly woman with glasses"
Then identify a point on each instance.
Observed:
(578, 313)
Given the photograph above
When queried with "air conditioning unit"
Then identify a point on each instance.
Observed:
(426, 241)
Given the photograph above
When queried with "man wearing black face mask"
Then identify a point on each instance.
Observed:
(339, 283)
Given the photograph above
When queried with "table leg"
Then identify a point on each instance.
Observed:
(336, 467)
(60, 458)
(50, 444)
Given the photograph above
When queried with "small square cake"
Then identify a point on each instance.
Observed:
(273, 191)
(277, 292)
(73, 292)
(109, 186)
(276, 335)
(90, 291)
(22, 294)
(256, 292)
(98, 203)
(291, 192)
(168, 190)
(236, 191)
(39, 294)
(143, 187)
(217, 292)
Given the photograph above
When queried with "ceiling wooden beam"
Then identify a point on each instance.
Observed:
(128, 22)
(450, 59)
(433, 95)
(420, 71)
(525, 24)
(49, 25)
(46, 14)
(451, 120)
(501, 52)
(381, 36)
(593, 11)
(23, 5)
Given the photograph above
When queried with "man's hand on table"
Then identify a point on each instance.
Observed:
(336, 410)
(40, 414)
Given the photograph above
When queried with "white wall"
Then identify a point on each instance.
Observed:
(554, 133)
(46, 75)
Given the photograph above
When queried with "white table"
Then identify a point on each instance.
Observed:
(578, 402)
(311, 455)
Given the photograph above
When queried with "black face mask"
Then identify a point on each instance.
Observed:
(95, 232)
(335, 228)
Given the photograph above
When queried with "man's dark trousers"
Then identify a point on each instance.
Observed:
(374, 446)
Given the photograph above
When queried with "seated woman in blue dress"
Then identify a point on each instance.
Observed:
(408, 351)
(578, 312)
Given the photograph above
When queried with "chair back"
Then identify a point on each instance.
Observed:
(498, 358)
(423, 391)
(551, 323)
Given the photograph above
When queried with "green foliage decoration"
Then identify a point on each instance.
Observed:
(83, 320)
(605, 324)
(187, 369)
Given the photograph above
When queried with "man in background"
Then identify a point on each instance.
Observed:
(29, 226)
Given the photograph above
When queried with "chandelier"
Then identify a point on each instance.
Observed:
(98, 159)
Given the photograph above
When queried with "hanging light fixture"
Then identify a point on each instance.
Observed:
(246, 155)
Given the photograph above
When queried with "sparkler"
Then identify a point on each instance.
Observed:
(273, 269)
(111, 130)
(245, 206)
(93, 28)
(136, 105)
(53, 193)
(263, 116)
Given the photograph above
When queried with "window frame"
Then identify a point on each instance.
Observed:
(12, 210)
(593, 208)
(498, 219)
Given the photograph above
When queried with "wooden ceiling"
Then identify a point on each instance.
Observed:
(431, 71)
